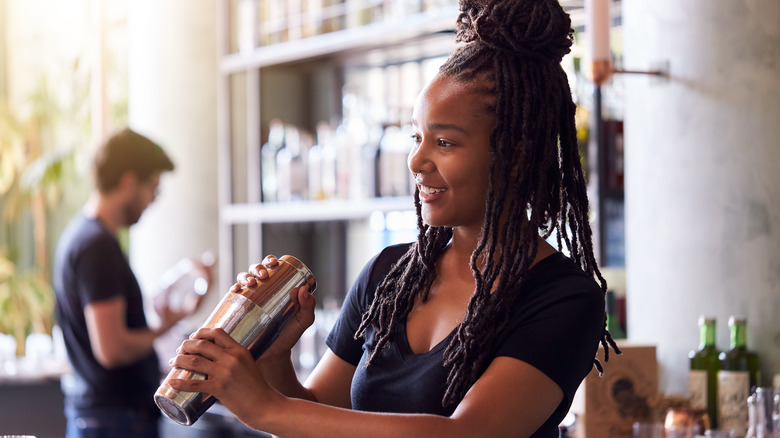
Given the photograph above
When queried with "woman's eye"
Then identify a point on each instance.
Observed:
(416, 138)
(444, 143)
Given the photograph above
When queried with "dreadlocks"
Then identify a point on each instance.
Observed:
(536, 181)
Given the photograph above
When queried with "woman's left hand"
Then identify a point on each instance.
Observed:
(232, 374)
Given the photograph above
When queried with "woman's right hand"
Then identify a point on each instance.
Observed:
(301, 319)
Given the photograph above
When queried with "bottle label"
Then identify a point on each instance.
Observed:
(697, 384)
(733, 391)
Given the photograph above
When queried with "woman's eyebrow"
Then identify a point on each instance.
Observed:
(443, 127)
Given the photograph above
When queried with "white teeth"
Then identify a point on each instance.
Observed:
(430, 190)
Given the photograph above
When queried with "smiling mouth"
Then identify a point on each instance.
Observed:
(430, 190)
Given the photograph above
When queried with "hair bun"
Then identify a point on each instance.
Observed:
(537, 29)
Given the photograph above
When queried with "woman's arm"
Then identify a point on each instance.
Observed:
(511, 398)
(329, 382)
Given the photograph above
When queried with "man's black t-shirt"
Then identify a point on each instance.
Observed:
(555, 326)
(89, 267)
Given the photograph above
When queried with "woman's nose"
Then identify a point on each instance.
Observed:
(418, 160)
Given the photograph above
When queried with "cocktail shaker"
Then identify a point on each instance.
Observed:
(254, 318)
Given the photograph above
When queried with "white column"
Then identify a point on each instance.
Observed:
(702, 180)
(172, 99)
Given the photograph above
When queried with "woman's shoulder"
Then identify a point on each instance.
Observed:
(556, 322)
(381, 263)
(560, 271)
(558, 280)
(392, 253)
(375, 270)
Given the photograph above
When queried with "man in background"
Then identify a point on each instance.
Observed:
(99, 302)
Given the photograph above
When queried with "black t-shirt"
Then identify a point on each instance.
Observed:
(555, 326)
(90, 266)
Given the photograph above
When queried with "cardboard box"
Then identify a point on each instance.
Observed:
(608, 406)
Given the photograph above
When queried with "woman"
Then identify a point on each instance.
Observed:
(480, 328)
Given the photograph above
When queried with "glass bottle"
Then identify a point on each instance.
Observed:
(776, 413)
(738, 373)
(268, 152)
(613, 322)
(752, 414)
(704, 366)
(291, 167)
(182, 287)
(760, 414)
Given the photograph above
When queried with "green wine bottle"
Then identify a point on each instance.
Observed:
(703, 374)
(738, 373)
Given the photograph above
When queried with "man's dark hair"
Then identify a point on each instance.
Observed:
(127, 151)
(537, 186)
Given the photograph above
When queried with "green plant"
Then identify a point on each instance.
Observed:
(26, 303)
(39, 143)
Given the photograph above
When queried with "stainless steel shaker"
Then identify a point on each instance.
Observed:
(254, 318)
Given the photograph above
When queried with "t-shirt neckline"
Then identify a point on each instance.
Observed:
(405, 349)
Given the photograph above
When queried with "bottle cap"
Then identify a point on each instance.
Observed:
(703, 319)
(736, 319)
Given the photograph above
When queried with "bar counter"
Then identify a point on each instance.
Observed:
(34, 406)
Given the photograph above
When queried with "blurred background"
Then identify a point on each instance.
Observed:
(287, 124)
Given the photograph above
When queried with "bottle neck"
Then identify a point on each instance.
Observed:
(707, 334)
(738, 335)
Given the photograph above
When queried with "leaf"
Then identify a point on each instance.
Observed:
(45, 169)
(7, 269)
(7, 172)
(27, 305)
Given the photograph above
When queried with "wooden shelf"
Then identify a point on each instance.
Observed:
(375, 35)
(311, 211)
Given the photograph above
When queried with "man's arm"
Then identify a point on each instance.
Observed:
(113, 344)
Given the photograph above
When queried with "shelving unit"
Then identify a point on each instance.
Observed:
(416, 36)
(375, 35)
(311, 211)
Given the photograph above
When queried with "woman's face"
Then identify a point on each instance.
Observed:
(451, 152)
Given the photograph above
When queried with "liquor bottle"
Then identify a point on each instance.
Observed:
(358, 13)
(613, 322)
(268, 160)
(312, 22)
(703, 374)
(369, 162)
(294, 15)
(316, 191)
(277, 21)
(329, 158)
(334, 13)
(738, 374)
(291, 167)
(394, 176)
(247, 26)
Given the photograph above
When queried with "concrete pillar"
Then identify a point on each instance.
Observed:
(702, 180)
(172, 99)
